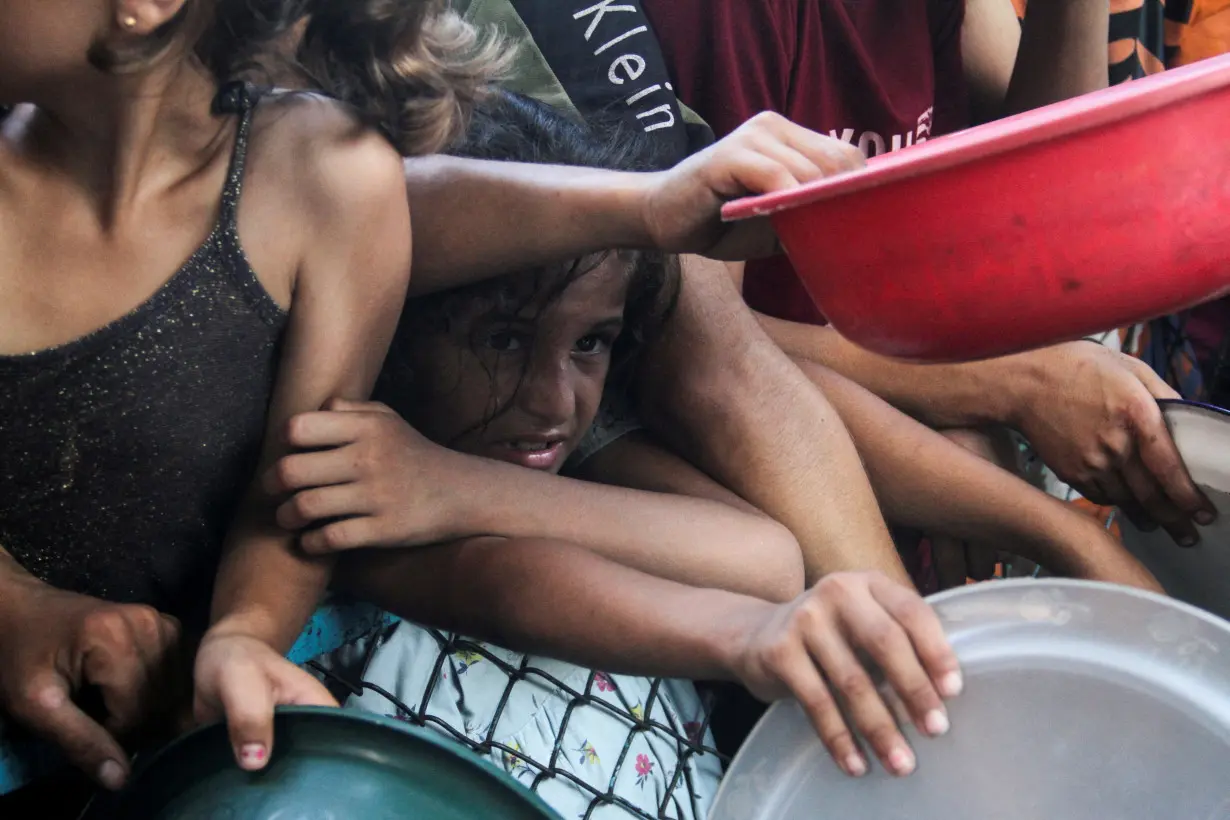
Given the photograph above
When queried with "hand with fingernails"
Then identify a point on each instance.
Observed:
(359, 462)
(242, 679)
(809, 649)
(56, 645)
(767, 153)
(1091, 414)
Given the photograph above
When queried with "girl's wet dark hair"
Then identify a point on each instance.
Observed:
(511, 127)
(411, 68)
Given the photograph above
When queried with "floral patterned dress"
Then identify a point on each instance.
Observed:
(580, 738)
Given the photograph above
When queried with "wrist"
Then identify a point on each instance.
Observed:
(634, 209)
(613, 209)
(729, 636)
(1066, 541)
(250, 623)
(482, 500)
(1026, 380)
(503, 500)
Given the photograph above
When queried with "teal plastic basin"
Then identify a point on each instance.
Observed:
(327, 764)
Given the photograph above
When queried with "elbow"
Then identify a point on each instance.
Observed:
(780, 559)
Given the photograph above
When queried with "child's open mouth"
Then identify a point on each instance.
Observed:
(536, 455)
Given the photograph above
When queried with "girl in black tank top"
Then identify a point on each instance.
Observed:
(137, 400)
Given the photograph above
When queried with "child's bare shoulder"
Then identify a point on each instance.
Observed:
(334, 189)
(318, 150)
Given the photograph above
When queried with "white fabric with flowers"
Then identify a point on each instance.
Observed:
(465, 691)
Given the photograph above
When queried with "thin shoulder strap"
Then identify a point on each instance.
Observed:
(236, 98)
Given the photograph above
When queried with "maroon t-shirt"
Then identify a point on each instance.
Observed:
(879, 74)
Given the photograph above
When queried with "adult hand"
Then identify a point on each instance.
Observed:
(366, 473)
(1093, 418)
(809, 649)
(242, 679)
(58, 645)
(767, 153)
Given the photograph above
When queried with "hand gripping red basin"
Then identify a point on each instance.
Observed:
(1082, 216)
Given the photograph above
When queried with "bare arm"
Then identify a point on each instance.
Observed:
(927, 482)
(717, 389)
(1058, 52)
(347, 297)
(624, 621)
(761, 557)
(532, 214)
(14, 579)
(690, 540)
(400, 489)
(567, 211)
(348, 290)
(619, 618)
(1090, 412)
(941, 395)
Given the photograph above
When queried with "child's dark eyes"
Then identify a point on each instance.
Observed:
(506, 340)
(593, 344)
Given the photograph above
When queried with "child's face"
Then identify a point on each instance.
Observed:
(537, 376)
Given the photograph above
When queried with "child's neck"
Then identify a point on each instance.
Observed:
(124, 135)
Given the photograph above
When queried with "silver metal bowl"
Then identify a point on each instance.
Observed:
(1083, 701)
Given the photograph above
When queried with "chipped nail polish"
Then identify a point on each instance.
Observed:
(252, 755)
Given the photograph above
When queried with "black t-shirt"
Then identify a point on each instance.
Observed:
(605, 56)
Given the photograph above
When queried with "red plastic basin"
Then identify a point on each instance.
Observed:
(1079, 217)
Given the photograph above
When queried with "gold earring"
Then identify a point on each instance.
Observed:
(128, 22)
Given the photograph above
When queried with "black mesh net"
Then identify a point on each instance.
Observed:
(680, 799)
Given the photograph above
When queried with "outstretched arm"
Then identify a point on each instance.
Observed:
(719, 391)
(394, 488)
(1090, 412)
(941, 395)
(474, 219)
(925, 481)
(761, 554)
(525, 214)
(625, 621)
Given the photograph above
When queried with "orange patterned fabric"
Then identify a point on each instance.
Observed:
(1147, 36)
(1205, 34)
(1138, 35)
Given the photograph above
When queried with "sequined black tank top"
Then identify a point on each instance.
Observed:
(124, 454)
